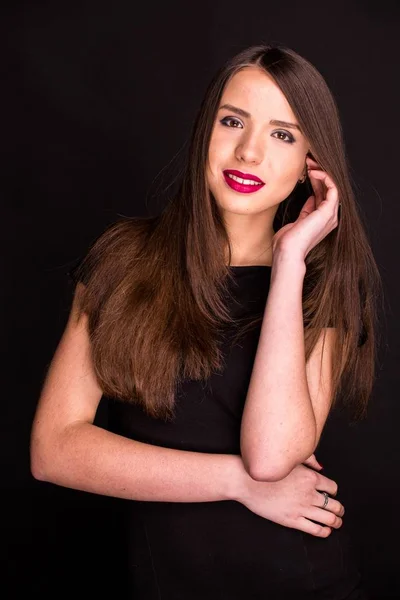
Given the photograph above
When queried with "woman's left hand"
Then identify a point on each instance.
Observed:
(317, 218)
(312, 462)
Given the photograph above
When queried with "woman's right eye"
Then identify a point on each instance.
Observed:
(231, 122)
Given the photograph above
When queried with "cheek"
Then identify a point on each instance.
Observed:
(214, 159)
(290, 172)
(211, 167)
(219, 150)
(290, 176)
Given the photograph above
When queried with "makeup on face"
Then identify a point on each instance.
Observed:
(244, 183)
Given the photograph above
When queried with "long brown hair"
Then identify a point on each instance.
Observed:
(156, 288)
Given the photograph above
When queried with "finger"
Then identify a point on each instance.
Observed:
(322, 176)
(336, 507)
(331, 193)
(312, 462)
(311, 163)
(319, 190)
(324, 484)
(316, 177)
(333, 505)
(316, 184)
(308, 208)
(313, 528)
(319, 179)
(323, 516)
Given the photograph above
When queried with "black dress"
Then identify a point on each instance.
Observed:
(222, 550)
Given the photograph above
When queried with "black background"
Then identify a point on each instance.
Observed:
(97, 98)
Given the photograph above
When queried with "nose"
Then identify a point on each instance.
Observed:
(250, 150)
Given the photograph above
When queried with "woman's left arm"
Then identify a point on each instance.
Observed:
(288, 401)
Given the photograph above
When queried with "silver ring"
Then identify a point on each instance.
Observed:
(326, 499)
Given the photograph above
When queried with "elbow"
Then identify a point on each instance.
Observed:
(275, 463)
(274, 470)
(51, 452)
(37, 460)
(275, 467)
(43, 455)
(37, 466)
(37, 470)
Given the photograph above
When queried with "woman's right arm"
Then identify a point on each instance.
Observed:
(69, 450)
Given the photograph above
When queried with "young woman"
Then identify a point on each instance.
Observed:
(222, 332)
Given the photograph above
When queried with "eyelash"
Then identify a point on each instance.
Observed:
(290, 139)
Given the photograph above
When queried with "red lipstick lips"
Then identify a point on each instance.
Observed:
(243, 186)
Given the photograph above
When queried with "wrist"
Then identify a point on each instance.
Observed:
(239, 481)
(284, 258)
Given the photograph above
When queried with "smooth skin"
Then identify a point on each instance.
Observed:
(256, 132)
(67, 449)
(254, 144)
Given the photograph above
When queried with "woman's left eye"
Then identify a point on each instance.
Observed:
(289, 138)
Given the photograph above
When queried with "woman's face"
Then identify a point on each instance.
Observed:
(246, 143)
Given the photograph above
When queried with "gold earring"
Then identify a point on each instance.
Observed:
(302, 180)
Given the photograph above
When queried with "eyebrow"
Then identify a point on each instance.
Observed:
(244, 113)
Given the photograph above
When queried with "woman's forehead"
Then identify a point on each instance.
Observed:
(256, 93)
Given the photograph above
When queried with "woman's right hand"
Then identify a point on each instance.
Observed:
(294, 500)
